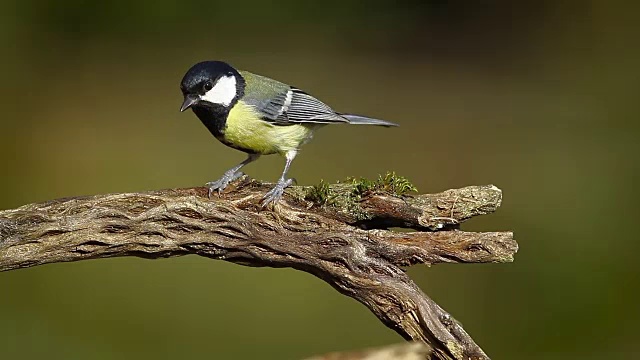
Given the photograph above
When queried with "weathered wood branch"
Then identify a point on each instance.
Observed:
(344, 242)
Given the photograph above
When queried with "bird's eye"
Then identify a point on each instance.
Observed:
(208, 86)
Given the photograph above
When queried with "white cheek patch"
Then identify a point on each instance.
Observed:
(223, 92)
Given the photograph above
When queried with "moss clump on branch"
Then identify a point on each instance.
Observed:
(389, 183)
(318, 194)
(347, 193)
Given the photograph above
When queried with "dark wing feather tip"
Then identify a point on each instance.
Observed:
(365, 120)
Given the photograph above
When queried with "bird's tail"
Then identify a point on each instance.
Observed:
(363, 120)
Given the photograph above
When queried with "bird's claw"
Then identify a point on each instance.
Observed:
(274, 195)
(223, 182)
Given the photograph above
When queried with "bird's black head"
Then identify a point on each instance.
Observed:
(211, 84)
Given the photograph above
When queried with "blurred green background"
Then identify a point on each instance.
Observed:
(539, 98)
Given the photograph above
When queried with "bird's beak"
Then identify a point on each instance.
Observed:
(189, 101)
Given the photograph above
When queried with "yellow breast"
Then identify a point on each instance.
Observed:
(245, 130)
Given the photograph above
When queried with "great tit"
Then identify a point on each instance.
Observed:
(257, 115)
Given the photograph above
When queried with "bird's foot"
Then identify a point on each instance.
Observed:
(223, 182)
(274, 195)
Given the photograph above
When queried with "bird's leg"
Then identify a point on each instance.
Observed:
(275, 194)
(230, 175)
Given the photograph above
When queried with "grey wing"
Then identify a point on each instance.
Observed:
(294, 106)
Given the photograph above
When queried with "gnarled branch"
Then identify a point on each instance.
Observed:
(345, 241)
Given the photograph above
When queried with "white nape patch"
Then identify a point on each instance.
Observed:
(223, 92)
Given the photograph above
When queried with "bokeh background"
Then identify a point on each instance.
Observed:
(537, 97)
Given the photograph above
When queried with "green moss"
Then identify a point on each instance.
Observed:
(396, 184)
(346, 195)
(319, 194)
(389, 183)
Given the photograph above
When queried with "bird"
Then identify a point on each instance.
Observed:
(257, 115)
